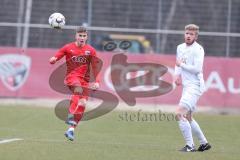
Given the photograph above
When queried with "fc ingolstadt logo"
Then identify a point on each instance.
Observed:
(14, 70)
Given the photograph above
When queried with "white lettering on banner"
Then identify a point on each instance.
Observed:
(125, 74)
(214, 82)
(231, 86)
(128, 74)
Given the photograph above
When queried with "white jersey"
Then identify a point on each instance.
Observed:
(191, 70)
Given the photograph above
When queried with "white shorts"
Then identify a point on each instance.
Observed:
(189, 98)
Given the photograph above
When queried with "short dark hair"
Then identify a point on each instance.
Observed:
(81, 29)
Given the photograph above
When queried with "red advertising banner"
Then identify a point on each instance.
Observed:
(25, 74)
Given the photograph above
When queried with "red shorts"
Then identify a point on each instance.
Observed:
(74, 81)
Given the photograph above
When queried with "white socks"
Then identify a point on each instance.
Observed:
(198, 132)
(185, 128)
(71, 129)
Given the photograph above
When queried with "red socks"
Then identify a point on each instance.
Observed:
(75, 109)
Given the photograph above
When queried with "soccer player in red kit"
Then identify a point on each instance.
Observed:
(79, 60)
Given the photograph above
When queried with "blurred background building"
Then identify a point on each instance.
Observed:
(154, 26)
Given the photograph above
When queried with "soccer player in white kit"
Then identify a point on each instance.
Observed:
(188, 72)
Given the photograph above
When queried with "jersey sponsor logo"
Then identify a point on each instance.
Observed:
(14, 70)
(79, 59)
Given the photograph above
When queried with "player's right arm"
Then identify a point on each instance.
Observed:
(61, 53)
(178, 70)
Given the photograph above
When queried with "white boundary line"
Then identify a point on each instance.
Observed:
(10, 140)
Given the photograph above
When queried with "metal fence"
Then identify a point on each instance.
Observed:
(24, 23)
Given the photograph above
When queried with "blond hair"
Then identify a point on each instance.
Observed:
(192, 27)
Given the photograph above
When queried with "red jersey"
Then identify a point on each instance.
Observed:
(79, 60)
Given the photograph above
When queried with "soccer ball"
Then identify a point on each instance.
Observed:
(56, 20)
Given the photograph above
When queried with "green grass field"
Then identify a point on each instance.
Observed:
(110, 138)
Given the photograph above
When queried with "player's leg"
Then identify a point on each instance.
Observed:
(193, 98)
(77, 91)
(73, 109)
(182, 113)
(204, 145)
(78, 114)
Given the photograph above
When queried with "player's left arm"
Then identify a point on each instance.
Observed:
(197, 65)
(95, 66)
